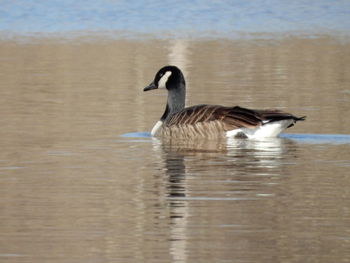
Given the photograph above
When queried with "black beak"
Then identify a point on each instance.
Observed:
(150, 87)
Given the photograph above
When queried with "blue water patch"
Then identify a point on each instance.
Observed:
(318, 138)
(137, 135)
(174, 17)
(300, 137)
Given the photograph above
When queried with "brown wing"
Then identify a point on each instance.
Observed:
(233, 117)
(215, 120)
(208, 121)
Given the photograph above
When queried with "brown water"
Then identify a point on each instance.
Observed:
(73, 189)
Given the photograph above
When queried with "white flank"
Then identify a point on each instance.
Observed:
(163, 80)
(156, 127)
(268, 130)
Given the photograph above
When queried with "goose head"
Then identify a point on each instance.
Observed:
(171, 79)
(168, 77)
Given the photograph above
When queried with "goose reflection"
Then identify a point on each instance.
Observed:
(226, 172)
(230, 160)
(175, 170)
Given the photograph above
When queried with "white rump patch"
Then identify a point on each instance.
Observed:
(163, 80)
(156, 127)
(268, 130)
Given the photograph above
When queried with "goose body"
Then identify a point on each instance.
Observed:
(211, 121)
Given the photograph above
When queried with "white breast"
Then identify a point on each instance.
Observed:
(156, 128)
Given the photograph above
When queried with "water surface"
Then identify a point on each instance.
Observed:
(74, 189)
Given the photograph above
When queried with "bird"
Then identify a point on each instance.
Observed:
(212, 121)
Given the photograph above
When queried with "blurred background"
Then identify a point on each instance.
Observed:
(162, 19)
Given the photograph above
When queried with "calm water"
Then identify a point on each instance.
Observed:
(80, 178)
(81, 183)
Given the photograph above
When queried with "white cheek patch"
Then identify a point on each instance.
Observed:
(163, 80)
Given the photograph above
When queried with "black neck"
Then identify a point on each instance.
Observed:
(176, 99)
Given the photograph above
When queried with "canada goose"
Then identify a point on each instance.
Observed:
(211, 120)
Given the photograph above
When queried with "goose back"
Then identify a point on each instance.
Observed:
(215, 121)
